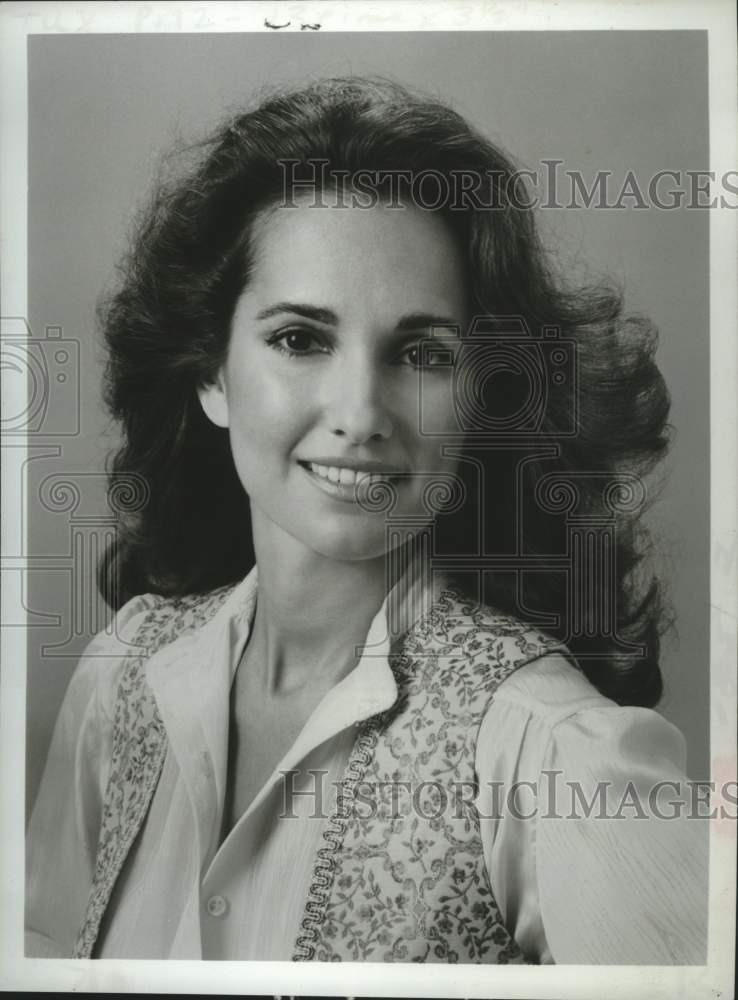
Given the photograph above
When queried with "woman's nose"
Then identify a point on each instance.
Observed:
(356, 408)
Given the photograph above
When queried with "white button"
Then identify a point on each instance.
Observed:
(216, 906)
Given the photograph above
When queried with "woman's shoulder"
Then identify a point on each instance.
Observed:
(480, 633)
(546, 693)
(142, 625)
(550, 706)
(163, 619)
(552, 687)
(151, 619)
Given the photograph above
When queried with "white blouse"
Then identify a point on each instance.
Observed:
(580, 874)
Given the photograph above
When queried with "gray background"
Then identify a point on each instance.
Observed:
(103, 108)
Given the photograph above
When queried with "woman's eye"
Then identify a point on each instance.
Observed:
(419, 356)
(296, 343)
(412, 355)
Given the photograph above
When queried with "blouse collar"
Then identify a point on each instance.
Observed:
(191, 680)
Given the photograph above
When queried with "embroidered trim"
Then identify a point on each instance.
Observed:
(112, 850)
(416, 888)
(325, 866)
(139, 749)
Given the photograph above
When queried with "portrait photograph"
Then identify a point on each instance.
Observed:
(369, 481)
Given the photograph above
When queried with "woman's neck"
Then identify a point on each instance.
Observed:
(312, 612)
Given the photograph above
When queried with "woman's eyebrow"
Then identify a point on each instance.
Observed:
(420, 320)
(316, 313)
(411, 321)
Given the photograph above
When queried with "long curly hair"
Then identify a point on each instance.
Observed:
(167, 333)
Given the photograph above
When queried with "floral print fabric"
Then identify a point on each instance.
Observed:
(401, 876)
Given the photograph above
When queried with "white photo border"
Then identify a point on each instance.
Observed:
(18, 21)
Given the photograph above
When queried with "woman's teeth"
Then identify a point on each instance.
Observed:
(346, 477)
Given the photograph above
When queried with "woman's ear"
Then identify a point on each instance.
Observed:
(214, 400)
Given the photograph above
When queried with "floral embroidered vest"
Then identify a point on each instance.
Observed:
(401, 875)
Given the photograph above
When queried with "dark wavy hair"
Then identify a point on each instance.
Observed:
(167, 332)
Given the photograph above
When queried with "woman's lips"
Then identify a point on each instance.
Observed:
(343, 482)
(346, 476)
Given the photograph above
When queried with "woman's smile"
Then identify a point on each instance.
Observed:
(321, 386)
(347, 483)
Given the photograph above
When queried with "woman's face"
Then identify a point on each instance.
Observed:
(321, 386)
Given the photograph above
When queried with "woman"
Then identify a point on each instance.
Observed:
(325, 381)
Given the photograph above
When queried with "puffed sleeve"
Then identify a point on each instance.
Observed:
(62, 834)
(588, 841)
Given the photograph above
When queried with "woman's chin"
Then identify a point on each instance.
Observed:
(343, 543)
(345, 548)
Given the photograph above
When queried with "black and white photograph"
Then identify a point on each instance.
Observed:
(369, 480)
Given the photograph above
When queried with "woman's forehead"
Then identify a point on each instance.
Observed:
(384, 255)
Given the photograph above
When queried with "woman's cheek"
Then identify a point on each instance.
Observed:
(257, 397)
(268, 420)
(435, 413)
